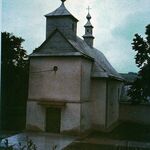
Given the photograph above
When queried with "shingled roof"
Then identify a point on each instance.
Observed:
(101, 68)
(60, 11)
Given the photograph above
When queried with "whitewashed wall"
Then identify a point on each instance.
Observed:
(62, 85)
(70, 118)
(113, 97)
(35, 116)
(98, 96)
(69, 84)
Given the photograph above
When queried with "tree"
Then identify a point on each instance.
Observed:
(140, 89)
(14, 81)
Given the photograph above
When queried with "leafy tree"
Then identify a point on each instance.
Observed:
(14, 81)
(140, 89)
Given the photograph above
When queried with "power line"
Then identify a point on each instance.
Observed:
(41, 71)
(55, 68)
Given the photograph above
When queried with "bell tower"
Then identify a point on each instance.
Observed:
(88, 36)
(63, 20)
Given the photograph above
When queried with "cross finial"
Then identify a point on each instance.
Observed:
(89, 9)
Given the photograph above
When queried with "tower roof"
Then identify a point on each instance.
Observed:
(60, 11)
(88, 16)
(88, 24)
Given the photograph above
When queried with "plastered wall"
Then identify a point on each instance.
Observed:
(70, 117)
(35, 116)
(98, 96)
(62, 85)
(86, 66)
(113, 97)
(86, 120)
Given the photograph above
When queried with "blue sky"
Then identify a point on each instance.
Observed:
(115, 23)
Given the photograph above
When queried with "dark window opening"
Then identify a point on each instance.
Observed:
(72, 26)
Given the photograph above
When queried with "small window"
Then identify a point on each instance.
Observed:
(88, 30)
(72, 26)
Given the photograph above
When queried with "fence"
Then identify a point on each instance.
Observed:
(135, 113)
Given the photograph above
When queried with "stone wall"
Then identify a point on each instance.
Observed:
(135, 113)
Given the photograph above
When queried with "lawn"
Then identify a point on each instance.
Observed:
(86, 146)
(127, 131)
(124, 133)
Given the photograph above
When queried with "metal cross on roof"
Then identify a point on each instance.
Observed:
(89, 9)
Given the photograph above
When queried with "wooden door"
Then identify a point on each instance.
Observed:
(53, 116)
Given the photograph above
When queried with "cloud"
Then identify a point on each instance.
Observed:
(114, 21)
(134, 23)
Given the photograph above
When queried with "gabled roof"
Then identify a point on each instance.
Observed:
(61, 11)
(101, 67)
(72, 51)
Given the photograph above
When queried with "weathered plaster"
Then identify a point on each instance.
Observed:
(98, 96)
(70, 117)
(35, 116)
(64, 84)
(86, 66)
(85, 116)
(113, 97)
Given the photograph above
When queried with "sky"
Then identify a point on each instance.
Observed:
(115, 23)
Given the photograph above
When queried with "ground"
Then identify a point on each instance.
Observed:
(43, 141)
(127, 136)
(5, 134)
(127, 131)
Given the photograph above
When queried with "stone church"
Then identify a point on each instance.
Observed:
(72, 86)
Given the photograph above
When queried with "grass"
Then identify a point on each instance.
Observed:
(127, 131)
(124, 132)
(86, 146)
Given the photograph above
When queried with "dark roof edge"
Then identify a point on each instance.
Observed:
(78, 54)
(62, 16)
(109, 77)
(65, 39)
(116, 78)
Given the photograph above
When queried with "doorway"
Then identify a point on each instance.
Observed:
(53, 117)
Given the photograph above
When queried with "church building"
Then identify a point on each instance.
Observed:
(72, 86)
